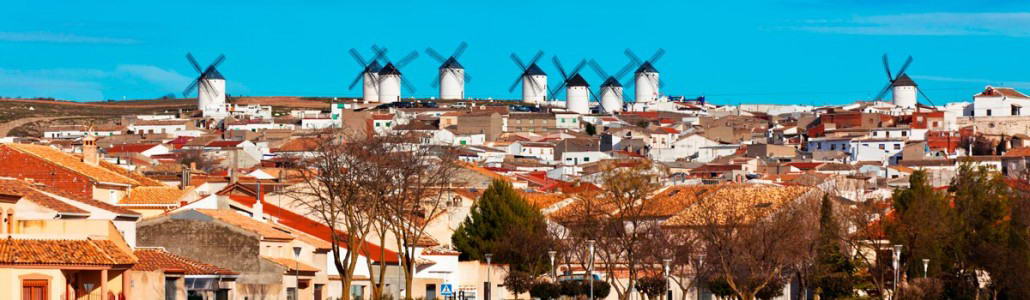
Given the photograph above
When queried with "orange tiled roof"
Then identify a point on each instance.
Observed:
(130, 148)
(542, 200)
(291, 264)
(73, 163)
(73, 252)
(22, 189)
(266, 230)
(160, 260)
(675, 199)
(1018, 152)
(298, 145)
(154, 195)
(753, 201)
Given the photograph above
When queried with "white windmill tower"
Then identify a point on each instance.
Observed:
(577, 90)
(646, 76)
(210, 85)
(533, 79)
(904, 90)
(451, 77)
(369, 75)
(390, 78)
(611, 91)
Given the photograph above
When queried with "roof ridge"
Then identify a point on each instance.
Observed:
(16, 148)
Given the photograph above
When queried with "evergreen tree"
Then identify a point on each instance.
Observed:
(834, 271)
(503, 223)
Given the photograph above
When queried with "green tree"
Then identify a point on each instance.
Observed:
(503, 223)
(652, 286)
(591, 129)
(834, 271)
(922, 223)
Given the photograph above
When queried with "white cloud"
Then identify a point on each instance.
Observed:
(163, 78)
(931, 24)
(1012, 84)
(50, 37)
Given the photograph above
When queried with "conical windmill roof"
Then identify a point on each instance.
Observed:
(611, 82)
(903, 80)
(451, 63)
(576, 80)
(389, 69)
(646, 67)
(373, 67)
(213, 73)
(534, 70)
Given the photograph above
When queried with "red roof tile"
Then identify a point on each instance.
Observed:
(160, 260)
(73, 252)
(130, 148)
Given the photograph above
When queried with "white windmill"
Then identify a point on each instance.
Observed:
(390, 77)
(451, 78)
(646, 76)
(210, 85)
(369, 75)
(577, 90)
(533, 79)
(611, 99)
(904, 90)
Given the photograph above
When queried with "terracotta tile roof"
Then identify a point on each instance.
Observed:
(298, 145)
(223, 144)
(753, 201)
(72, 163)
(267, 231)
(675, 199)
(155, 195)
(18, 188)
(803, 165)
(1018, 152)
(991, 91)
(143, 180)
(304, 224)
(74, 252)
(130, 148)
(291, 264)
(160, 260)
(542, 200)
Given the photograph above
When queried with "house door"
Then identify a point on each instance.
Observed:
(33, 289)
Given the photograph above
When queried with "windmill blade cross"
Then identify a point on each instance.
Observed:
(515, 84)
(926, 97)
(408, 86)
(557, 64)
(883, 92)
(625, 70)
(406, 60)
(579, 67)
(536, 58)
(518, 62)
(633, 57)
(189, 89)
(887, 67)
(357, 57)
(356, 80)
(908, 62)
(218, 61)
(597, 69)
(193, 62)
(460, 50)
(657, 55)
(435, 55)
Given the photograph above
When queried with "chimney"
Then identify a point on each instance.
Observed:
(235, 166)
(259, 209)
(184, 178)
(89, 149)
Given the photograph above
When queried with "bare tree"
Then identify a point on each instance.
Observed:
(865, 239)
(752, 244)
(339, 181)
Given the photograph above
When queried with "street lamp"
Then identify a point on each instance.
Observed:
(590, 266)
(926, 265)
(697, 274)
(897, 268)
(666, 262)
(489, 281)
(554, 272)
(296, 270)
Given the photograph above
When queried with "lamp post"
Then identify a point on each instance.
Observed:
(897, 269)
(554, 272)
(697, 274)
(926, 266)
(296, 270)
(666, 262)
(590, 266)
(489, 282)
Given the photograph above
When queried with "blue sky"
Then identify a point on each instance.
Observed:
(787, 51)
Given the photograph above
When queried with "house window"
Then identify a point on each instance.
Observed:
(387, 124)
(1015, 110)
(882, 147)
(34, 289)
(874, 133)
(833, 147)
(935, 124)
(897, 146)
(586, 159)
(988, 112)
(357, 292)
(904, 133)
